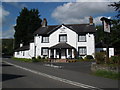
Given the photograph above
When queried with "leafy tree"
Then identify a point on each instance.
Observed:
(115, 30)
(7, 46)
(27, 22)
(99, 34)
(116, 6)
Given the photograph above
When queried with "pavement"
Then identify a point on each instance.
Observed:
(77, 72)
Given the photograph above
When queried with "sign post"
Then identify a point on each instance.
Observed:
(106, 27)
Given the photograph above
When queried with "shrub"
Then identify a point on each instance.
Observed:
(100, 57)
(89, 57)
(34, 59)
(115, 60)
(39, 57)
(107, 74)
(79, 59)
(43, 57)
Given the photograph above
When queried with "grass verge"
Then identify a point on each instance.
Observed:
(107, 74)
(30, 60)
(22, 59)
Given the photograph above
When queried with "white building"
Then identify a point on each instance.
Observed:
(101, 47)
(60, 41)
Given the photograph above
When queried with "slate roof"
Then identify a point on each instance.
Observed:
(62, 45)
(23, 48)
(78, 28)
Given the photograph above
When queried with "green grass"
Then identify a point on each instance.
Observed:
(107, 74)
(30, 60)
(22, 59)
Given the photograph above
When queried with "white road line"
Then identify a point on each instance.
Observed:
(57, 78)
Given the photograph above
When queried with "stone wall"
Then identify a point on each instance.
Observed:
(95, 67)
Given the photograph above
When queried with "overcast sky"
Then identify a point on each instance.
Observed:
(72, 12)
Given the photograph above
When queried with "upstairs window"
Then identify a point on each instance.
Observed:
(45, 39)
(82, 38)
(82, 51)
(63, 38)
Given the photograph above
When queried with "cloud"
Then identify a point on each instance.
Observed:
(60, 0)
(3, 14)
(97, 0)
(80, 12)
(8, 33)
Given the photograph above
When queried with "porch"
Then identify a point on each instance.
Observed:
(62, 51)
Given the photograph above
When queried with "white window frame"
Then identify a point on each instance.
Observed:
(45, 51)
(82, 51)
(63, 38)
(82, 38)
(45, 39)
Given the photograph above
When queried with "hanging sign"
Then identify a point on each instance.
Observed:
(106, 26)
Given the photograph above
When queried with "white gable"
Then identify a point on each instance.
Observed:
(71, 36)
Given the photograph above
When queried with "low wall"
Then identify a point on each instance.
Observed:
(95, 67)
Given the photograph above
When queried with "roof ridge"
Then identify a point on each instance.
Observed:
(70, 24)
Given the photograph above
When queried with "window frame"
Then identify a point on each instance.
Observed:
(82, 40)
(84, 49)
(47, 51)
(45, 39)
(62, 35)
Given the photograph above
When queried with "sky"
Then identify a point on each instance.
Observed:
(56, 12)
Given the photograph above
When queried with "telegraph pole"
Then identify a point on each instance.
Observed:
(106, 27)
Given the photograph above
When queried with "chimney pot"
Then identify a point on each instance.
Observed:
(44, 22)
(91, 20)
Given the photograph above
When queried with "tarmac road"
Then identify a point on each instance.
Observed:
(23, 75)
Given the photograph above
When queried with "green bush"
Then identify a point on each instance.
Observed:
(100, 57)
(107, 74)
(79, 59)
(39, 57)
(89, 57)
(115, 60)
(34, 59)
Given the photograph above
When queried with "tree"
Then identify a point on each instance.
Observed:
(116, 6)
(99, 34)
(115, 30)
(27, 22)
(7, 46)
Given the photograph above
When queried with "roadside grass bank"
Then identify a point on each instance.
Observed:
(30, 60)
(107, 74)
(22, 59)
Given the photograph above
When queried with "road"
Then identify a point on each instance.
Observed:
(17, 74)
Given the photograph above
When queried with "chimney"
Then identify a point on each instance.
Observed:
(44, 22)
(21, 44)
(91, 20)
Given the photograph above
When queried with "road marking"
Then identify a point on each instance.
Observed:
(54, 66)
(57, 78)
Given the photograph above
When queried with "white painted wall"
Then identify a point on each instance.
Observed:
(72, 39)
(27, 53)
(89, 44)
(111, 51)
